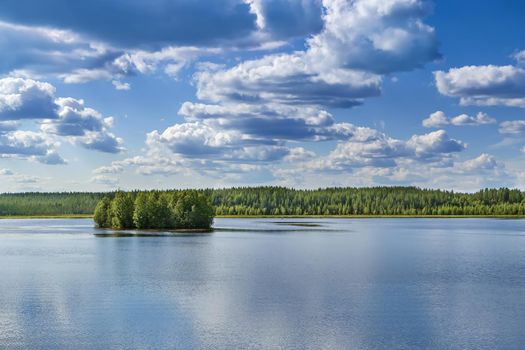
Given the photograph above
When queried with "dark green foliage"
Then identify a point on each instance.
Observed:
(193, 210)
(285, 201)
(121, 210)
(32, 203)
(102, 215)
(156, 210)
(366, 201)
(142, 215)
(152, 210)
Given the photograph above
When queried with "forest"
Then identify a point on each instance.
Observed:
(259, 201)
(155, 210)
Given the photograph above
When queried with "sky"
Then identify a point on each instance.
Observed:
(133, 94)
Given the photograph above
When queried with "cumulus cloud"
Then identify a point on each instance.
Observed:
(51, 158)
(512, 127)
(483, 162)
(110, 169)
(24, 143)
(487, 85)
(31, 49)
(255, 110)
(438, 119)
(29, 99)
(434, 143)
(140, 24)
(22, 98)
(84, 126)
(342, 64)
(283, 19)
(375, 36)
(26, 99)
(122, 64)
(269, 121)
(286, 79)
(59, 38)
(105, 180)
(378, 150)
(299, 154)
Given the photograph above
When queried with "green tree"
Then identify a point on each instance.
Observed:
(142, 213)
(192, 210)
(102, 215)
(122, 211)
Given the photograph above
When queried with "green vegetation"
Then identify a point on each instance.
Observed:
(268, 201)
(372, 201)
(48, 204)
(155, 210)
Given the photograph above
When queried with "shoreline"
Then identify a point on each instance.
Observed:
(88, 216)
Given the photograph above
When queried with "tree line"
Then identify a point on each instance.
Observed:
(253, 201)
(155, 210)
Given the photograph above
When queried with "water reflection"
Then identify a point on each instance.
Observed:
(296, 284)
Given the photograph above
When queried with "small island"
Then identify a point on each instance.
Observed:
(181, 210)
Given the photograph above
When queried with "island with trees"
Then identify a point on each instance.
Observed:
(186, 210)
(142, 208)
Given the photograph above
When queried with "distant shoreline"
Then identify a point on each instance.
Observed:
(89, 216)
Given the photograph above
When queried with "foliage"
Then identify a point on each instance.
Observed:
(251, 201)
(102, 211)
(192, 210)
(121, 210)
(48, 204)
(155, 210)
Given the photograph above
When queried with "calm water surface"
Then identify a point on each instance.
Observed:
(265, 284)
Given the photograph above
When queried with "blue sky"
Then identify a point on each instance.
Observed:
(99, 95)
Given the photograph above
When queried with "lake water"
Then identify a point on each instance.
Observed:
(265, 284)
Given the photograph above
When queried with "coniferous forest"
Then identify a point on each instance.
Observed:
(257, 201)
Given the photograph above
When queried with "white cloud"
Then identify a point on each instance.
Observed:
(480, 119)
(342, 64)
(119, 85)
(105, 180)
(110, 169)
(438, 119)
(26, 99)
(483, 162)
(488, 85)
(379, 151)
(299, 154)
(512, 127)
(22, 98)
(433, 144)
(83, 125)
(520, 57)
(25, 143)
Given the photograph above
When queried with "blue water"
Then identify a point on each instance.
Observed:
(265, 284)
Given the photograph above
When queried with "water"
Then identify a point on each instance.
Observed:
(265, 284)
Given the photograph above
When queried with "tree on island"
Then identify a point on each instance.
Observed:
(102, 215)
(121, 210)
(155, 210)
(192, 210)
